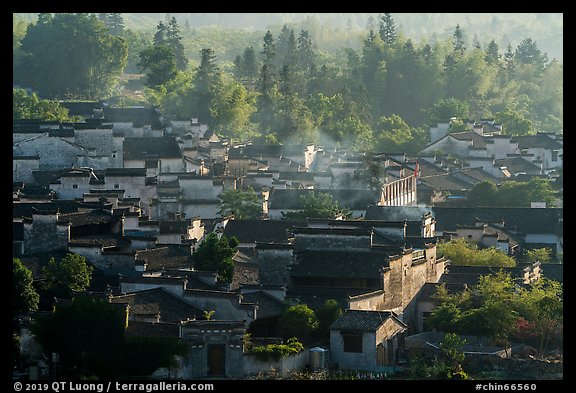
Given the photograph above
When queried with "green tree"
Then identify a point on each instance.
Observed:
(160, 63)
(24, 295)
(28, 106)
(174, 42)
(215, 254)
(243, 204)
(482, 194)
(89, 336)
(521, 194)
(447, 108)
(465, 253)
(543, 255)
(208, 88)
(387, 29)
(71, 273)
(444, 317)
(137, 41)
(528, 53)
(71, 56)
(542, 305)
(317, 205)
(514, 123)
(298, 321)
(326, 314)
(392, 134)
(114, 22)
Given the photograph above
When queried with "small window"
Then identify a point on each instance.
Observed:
(555, 155)
(352, 342)
(116, 186)
(74, 186)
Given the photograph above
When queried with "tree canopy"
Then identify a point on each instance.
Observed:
(466, 253)
(89, 336)
(317, 205)
(215, 254)
(499, 308)
(24, 295)
(243, 204)
(70, 56)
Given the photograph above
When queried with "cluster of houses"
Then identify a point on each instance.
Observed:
(135, 194)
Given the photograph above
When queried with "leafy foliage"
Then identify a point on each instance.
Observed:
(72, 272)
(317, 205)
(215, 254)
(24, 295)
(465, 253)
(277, 351)
(89, 336)
(512, 193)
(243, 204)
(70, 56)
(28, 106)
(298, 321)
(326, 314)
(496, 307)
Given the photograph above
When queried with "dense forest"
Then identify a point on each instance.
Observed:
(365, 81)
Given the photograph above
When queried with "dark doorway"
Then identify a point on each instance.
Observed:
(216, 360)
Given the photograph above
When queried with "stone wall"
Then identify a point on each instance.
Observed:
(45, 235)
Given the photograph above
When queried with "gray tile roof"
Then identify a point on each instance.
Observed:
(169, 256)
(264, 231)
(146, 148)
(158, 300)
(147, 329)
(339, 263)
(268, 305)
(363, 321)
(519, 219)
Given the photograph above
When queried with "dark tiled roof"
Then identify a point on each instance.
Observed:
(553, 271)
(100, 241)
(538, 140)
(125, 172)
(460, 278)
(264, 231)
(26, 209)
(78, 108)
(144, 148)
(517, 164)
(339, 263)
(519, 219)
(268, 305)
(479, 175)
(446, 181)
(174, 226)
(147, 329)
(87, 218)
(135, 114)
(352, 199)
(478, 141)
(314, 297)
(363, 321)
(396, 213)
(170, 256)
(158, 300)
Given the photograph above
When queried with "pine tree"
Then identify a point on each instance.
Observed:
(387, 29)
